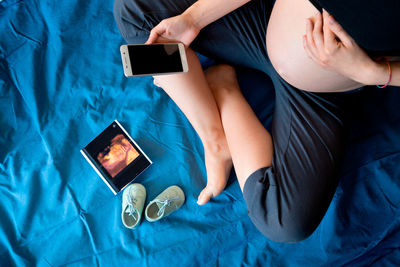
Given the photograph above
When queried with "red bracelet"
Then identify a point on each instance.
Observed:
(390, 76)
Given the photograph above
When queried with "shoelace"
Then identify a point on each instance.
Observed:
(131, 209)
(165, 203)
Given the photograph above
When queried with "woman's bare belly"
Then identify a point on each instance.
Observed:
(286, 28)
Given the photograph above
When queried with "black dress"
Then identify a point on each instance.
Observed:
(373, 24)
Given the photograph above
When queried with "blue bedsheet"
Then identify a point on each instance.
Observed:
(61, 83)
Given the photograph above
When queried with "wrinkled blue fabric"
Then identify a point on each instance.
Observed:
(61, 83)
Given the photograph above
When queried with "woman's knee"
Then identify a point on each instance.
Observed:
(276, 215)
(287, 230)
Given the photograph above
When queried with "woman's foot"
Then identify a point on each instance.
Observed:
(218, 166)
(221, 79)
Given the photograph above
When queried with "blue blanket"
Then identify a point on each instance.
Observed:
(61, 83)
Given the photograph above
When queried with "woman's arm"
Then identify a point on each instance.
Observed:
(329, 45)
(378, 73)
(185, 27)
(203, 12)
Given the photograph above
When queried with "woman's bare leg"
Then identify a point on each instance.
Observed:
(249, 142)
(190, 91)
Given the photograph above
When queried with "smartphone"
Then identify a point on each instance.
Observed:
(153, 59)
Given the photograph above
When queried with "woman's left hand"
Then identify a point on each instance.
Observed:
(329, 45)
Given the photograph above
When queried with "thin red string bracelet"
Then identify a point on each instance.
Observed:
(390, 76)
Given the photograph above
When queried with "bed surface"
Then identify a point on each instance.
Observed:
(61, 83)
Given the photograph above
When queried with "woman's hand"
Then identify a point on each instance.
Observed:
(180, 28)
(327, 44)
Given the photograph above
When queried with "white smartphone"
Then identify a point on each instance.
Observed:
(153, 59)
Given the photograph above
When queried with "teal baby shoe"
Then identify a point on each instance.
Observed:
(165, 203)
(133, 200)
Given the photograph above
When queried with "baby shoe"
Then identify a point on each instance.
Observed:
(165, 203)
(132, 205)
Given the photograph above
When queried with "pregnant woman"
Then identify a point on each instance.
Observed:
(288, 177)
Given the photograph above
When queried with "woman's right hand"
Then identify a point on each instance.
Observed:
(180, 28)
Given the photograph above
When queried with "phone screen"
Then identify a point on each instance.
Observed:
(155, 58)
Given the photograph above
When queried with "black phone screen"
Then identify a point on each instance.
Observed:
(154, 58)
